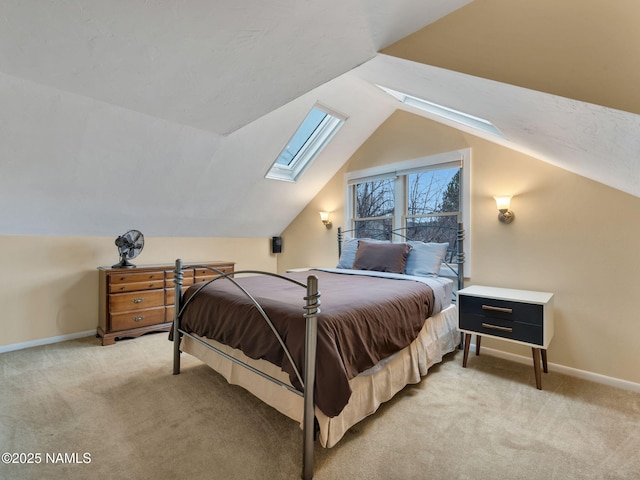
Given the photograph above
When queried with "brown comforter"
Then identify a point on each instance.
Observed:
(362, 321)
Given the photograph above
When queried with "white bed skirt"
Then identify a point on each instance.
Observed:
(438, 336)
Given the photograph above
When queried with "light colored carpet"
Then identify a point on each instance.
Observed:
(121, 405)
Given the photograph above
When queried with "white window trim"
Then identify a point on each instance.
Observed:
(456, 157)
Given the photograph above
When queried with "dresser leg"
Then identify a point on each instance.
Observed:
(536, 367)
(478, 337)
(467, 341)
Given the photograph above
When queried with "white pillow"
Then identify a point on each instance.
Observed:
(425, 259)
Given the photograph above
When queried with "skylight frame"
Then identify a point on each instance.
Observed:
(457, 116)
(310, 149)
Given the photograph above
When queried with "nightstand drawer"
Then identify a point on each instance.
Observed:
(494, 309)
(483, 325)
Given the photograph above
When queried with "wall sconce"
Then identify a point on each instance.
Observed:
(505, 215)
(324, 216)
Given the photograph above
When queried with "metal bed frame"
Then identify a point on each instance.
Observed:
(311, 312)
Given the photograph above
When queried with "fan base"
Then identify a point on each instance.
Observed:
(124, 263)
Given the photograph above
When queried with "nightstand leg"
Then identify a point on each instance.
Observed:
(467, 341)
(536, 367)
(544, 361)
(478, 337)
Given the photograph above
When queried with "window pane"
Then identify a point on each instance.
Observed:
(315, 132)
(379, 229)
(302, 135)
(433, 191)
(375, 198)
(439, 229)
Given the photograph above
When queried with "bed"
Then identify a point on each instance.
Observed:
(327, 347)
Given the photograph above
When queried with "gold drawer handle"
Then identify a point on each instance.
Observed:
(139, 318)
(495, 327)
(497, 309)
(138, 300)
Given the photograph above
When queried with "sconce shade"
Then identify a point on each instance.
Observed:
(502, 202)
(324, 216)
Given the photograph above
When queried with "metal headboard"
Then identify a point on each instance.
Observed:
(454, 258)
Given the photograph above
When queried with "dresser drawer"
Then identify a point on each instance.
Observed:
(134, 287)
(124, 302)
(136, 319)
(204, 274)
(138, 277)
(494, 309)
(170, 295)
(187, 279)
(169, 313)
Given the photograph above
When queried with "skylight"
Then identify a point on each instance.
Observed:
(317, 129)
(445, 112)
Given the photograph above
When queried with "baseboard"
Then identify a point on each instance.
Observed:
(46, 341)
(572, 372)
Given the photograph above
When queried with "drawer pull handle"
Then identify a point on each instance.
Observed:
(497, 309)
(496, 327)
(138, 300)
(139, 318)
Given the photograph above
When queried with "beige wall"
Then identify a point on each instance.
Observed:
(581, 49)
(571, 236)
(49, 285)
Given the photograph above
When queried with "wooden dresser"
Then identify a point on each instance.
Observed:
(134, 301)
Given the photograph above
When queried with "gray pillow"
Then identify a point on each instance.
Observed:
(382, 257)
(349, 249)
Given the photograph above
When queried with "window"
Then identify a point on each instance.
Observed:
(428, 191)
(317, 129)
(445, 112)
(433, 198)
(374, 208)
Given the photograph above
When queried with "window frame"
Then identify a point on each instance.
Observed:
(310, 149)
(460, 158)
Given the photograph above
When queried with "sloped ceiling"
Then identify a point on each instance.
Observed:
(164, 116)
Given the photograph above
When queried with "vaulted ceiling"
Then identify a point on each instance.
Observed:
(165, 116)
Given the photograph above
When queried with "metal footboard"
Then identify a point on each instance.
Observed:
(311, 311)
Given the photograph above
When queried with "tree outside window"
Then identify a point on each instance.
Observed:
(431, 197)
